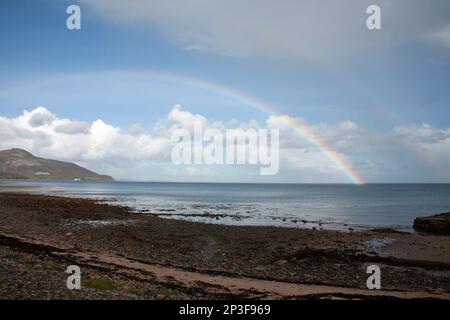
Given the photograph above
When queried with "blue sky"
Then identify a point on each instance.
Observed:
(326, 70)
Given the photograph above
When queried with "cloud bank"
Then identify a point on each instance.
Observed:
(291, 29)
(416, 152)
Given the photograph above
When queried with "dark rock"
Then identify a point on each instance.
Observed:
(439, 223)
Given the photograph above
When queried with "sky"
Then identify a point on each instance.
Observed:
(108, 96)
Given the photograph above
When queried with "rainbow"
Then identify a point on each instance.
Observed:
(253, 102)
(342, 164)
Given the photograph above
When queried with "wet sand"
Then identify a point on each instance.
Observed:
(147, 257)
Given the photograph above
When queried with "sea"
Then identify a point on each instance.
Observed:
(320, 206)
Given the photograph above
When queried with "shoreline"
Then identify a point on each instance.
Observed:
(327, 263)
(218, 218)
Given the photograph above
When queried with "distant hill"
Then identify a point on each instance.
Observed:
(20, 164)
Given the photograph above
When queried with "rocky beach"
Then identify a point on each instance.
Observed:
(128, 255)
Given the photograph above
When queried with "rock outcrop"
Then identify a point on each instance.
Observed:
(439, 223)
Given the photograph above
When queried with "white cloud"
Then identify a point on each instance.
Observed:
(305, 29)
(136, 129)
(406, 153)
(430, 144)
(40, 117)
(47, 135)
(72, 127)
(183, 119)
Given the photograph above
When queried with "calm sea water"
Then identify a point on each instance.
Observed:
(294, 205)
